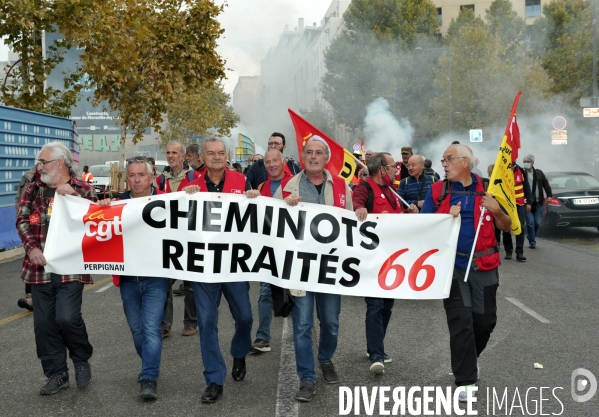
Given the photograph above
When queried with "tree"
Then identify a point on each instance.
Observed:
(374, 52)
(196, 112)
(23, 87)
(138, 54)
(562, 38)
(321, 117)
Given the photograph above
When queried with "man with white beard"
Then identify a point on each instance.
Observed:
(57, 321)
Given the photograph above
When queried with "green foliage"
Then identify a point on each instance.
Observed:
(196, 112)
(368, 59)
(23, 27)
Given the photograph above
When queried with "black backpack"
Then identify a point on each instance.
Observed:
(446, 190)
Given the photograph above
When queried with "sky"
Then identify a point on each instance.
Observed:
(251, 28)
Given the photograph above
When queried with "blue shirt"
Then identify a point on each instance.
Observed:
(467, 229)
(274, 184)
(409, 187)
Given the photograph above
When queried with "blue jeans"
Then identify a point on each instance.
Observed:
(378, 314)
(328, 307)
(533, 221)
(264, 312)
(207, 297)
(143, 303)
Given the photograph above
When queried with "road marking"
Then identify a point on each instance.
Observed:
(13, 318)
(104, 288)
(27, 313)
(286, 403)
(527, 310)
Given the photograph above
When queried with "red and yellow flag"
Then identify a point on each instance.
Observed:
(342, 163)
(501, 185)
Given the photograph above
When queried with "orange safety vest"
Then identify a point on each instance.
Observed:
(87, 176)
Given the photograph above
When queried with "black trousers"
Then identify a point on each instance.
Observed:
(471, 311)
(58, 325)
(507, 236)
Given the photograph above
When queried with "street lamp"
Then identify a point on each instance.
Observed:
(391, 96)
(448, 49)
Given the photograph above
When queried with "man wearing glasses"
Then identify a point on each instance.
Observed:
(257, 174)
(471, 308)
(57, 321)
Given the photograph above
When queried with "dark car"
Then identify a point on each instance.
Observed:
(575, 201)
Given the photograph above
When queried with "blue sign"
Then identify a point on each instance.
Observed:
(476, 135)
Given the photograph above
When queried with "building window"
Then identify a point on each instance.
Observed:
(532, 8)
(467, 6)
(439, 14)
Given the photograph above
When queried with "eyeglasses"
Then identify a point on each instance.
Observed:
(390, 166)
(275, 143)
(43, 163)
(451, 158)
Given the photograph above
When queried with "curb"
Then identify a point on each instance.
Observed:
(13, 253)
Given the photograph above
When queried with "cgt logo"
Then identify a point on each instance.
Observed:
(583, 380)
(103, 239)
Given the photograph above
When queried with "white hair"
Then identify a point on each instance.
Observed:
(317, 138)
(529, 157)
(465, 152)
(149, 168)
(59, 151)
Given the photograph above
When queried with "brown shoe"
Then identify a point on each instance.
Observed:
(189, 330)
(166, 333)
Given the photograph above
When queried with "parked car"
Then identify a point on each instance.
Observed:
(575, 201)
(101, 179)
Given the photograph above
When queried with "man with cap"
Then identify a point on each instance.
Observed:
(402, 167)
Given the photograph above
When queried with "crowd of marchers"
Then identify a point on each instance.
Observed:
(408, 186)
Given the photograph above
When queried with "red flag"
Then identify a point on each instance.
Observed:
(362, 148)
(340, 164)
(512, 131)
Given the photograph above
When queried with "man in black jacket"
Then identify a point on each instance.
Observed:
(538, 182)
(257, 174)
(523, 201)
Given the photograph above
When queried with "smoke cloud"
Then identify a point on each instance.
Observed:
(383, 132)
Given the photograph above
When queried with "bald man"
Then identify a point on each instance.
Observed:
(414, 188)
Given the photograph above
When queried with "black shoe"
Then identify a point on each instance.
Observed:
(238, 372)
(25, 302)
(148, 389)
(328, 373)
(55, 383)
(508, 255)
(83, 374)
(306, 391)
(520, 257)
(533, 246)
(212, 393)
(179, 291)
(260, 346)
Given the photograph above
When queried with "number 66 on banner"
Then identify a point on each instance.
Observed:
(400, 271)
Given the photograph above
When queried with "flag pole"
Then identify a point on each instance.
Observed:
(391, 188)
(480, 222)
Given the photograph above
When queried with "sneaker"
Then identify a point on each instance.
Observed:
(83, 374)
(189, 330)
(306, 391)
(148, 389)
(465, 392)
(25, 302)
(260, 346)
(55, 383)
(387, 359)
(165, 333)
(377, 368)
(180, 290)
(328, 373)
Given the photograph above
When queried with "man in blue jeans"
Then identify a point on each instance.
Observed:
(143, 297)
(274, 162)
(207, 296)
(538, 182)
(315, 185)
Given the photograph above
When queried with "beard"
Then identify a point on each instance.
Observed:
(48, 178)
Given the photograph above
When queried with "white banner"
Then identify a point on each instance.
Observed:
(213, 237)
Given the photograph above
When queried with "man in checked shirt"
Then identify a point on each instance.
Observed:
(57, 320)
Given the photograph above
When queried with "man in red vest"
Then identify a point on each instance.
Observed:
(315, 185)
(402, 167)
(274, 161)
(374, 195)
(471, 308)
(218, 179)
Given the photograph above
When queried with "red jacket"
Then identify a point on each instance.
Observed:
(486, 254)
(234, 182)
(339, 188)
(381, 203)
(264, 188)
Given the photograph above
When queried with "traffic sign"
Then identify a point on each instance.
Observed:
(356, 147)
(590, 112)
(476, 135)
